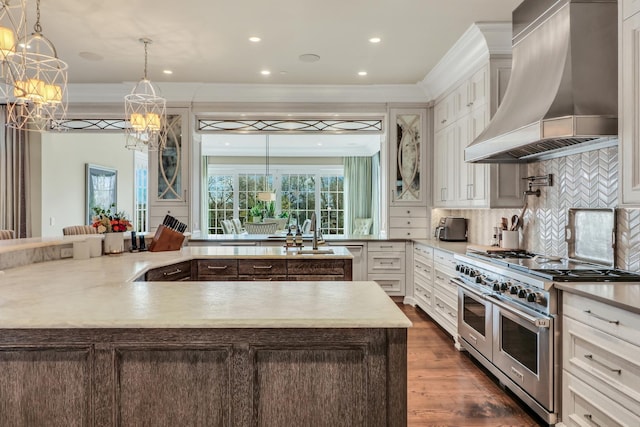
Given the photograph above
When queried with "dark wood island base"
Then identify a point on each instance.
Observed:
(204, 377)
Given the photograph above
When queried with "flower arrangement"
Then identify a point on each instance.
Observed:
(107, 221)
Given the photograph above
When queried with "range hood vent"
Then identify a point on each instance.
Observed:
(562, 96)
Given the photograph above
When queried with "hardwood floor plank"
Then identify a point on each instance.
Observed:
(446, 387)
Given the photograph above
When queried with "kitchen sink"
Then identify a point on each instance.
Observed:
(314, 251)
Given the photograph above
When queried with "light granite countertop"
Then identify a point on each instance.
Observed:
(100, 293)
(620, 294)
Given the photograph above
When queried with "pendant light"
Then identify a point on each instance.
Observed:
(39, 96)
(146, 112)
(268, 195)
(12, 28)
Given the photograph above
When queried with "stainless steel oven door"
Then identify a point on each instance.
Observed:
(523, 349)
(474, 319)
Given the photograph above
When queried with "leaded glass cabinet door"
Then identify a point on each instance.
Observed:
(407, 143)
(168, 172)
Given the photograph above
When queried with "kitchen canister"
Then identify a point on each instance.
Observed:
(510, 239)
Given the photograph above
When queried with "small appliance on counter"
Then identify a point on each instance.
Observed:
(452, 229)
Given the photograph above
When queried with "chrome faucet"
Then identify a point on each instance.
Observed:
(316, 232)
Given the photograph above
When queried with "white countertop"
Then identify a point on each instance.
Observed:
(99, 293)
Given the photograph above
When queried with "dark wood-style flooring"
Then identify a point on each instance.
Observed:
(446, 387)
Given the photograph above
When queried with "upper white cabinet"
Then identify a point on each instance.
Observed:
(407, 156)
(169, 171)
(629, 102)
(469, 185)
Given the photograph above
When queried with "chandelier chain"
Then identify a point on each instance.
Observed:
(146, 46)
(37, 27)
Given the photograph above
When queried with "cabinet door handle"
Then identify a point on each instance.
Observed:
(604, 319)
(214, 267)
(262, 279)
(590, 357)
(443, 121)
(262, 267)
(171, 273)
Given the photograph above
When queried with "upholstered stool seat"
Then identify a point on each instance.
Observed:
(73, 230)
(362, 226)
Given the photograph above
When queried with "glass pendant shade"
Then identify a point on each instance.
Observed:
(39, 96)
(147, 114)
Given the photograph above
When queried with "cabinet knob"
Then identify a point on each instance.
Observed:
(443, 120)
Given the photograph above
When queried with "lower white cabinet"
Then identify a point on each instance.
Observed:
(423, 295)
(386, 265)
(600, 364)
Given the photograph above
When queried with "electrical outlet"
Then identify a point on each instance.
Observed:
(52, 221)
(66, 252)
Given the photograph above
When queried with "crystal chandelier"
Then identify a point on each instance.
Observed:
(39, 96)
(147, 114)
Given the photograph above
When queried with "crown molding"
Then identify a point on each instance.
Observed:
(473, 48)
(201, 93)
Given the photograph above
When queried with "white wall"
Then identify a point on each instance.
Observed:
(64, 156)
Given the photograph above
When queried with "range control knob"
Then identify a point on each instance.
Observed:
(514, 289)
(458, 267)
(496, 287)
(532, 297)
(537, 297)
(522, 293)
(504, 286)
(478, 279)
(473, 273)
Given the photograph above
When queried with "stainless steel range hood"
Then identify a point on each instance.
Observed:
(563, 91)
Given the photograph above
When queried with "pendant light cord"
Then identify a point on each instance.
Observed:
(146, 45)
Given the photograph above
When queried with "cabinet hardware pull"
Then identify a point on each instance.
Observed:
(590, 357)
(171, 273)
(615, 322)
(262, 279)
(475, 340)
(440, 306)
(385, 246)
(262, 267)
(589, 418)
(443, 121)
(451, 314)
(517, 373)
(213, 267)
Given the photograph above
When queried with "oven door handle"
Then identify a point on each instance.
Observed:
(540, 322)
(468, 288)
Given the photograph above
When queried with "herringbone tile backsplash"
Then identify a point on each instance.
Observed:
(586, 180)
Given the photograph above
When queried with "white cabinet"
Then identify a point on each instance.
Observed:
(169, 171)
(601, 368)
(629, 102)
(386, 266)
(408, 223)
(445, 292)
(443, 112)
(359, 262)
(423, 294)
(458, 184)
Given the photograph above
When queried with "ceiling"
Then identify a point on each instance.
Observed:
(206, 41)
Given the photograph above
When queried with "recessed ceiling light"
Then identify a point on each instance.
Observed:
(309, 57)
(265, 72)
(254, 39)
(362, 73)
(167, 71)
(375, 40)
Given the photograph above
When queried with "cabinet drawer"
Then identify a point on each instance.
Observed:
(423, 251)
(391, 284)
(216, 269)
(386, 246)
(445, 259)
(385, 262)
(603, 361)
(173, 272)
(262, 267)
(399, 212)
(447, 312)
(318, 267)
(408, 233)
(424, 297)
(583, 406)
(615, 321)
(262, 277)
(423, 270)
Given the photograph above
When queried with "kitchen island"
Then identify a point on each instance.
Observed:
(82, 343)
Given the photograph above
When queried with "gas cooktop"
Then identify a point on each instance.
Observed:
(557, 269)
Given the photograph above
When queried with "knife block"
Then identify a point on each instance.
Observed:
(166, 239)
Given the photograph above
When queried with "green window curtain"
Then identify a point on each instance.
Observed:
(359, 190)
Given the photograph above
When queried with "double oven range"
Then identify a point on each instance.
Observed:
(508, 318)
